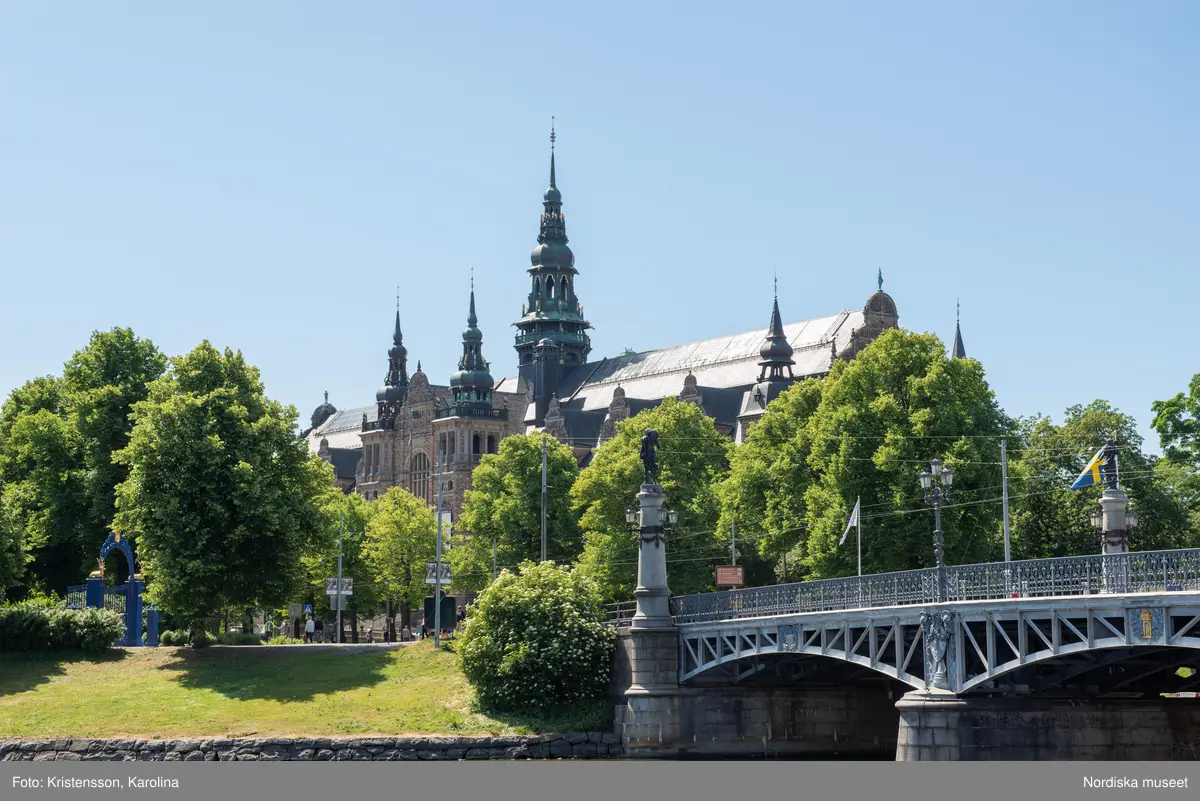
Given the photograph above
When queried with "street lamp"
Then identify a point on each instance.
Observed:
(937, 482)
(631, 518)
(672, 520)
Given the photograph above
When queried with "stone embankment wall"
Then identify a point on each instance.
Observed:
(936, 727)
(583, 745)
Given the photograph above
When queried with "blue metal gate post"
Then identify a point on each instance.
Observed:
(133, 613)
(94, 599)
(151, 627)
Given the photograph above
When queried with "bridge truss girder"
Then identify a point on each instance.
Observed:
(1110, 644)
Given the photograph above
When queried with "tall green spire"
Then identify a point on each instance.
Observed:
(472, 383)
(552, 313)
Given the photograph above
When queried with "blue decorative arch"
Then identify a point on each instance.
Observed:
(126, 597)
(115, 540)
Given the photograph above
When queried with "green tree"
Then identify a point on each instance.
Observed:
(504, 506)
(400, 539)
(222, 495)
(101, 384)
(351, 512)
(536, 642)
(1049, 519)
(43, 499)
(867, 431)
(692, 459)
(57, 438)
(1177, 422)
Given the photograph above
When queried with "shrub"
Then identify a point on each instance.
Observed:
(173, 637)
(283, 641)
(238, 638)
(536, 641)
(37, 627)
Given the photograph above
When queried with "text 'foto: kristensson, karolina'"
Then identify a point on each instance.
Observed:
(1110, 782)
(76, 783)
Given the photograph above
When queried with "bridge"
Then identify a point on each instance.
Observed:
(1024, 626)
(964, 642)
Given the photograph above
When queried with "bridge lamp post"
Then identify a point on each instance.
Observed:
(937, 482)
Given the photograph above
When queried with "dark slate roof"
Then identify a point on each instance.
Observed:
(722, 363)
(959, 351)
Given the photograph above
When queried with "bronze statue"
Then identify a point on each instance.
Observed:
(1108, 464)
(649, 459)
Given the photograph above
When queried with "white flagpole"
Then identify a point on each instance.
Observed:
(858, 525)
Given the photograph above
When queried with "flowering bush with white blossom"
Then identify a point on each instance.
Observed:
(536, 641)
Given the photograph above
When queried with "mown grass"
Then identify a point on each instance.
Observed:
(155, 693)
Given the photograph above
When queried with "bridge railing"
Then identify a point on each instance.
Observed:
(620, 613)
(1144, 571)
(1140, 571)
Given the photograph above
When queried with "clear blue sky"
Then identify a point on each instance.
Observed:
(264, 174)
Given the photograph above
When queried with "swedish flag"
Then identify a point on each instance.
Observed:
(1091, 473)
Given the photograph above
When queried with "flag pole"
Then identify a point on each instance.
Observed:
(858, 525)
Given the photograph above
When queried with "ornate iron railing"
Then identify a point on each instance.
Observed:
(1147, 571)
(77, 596)
(115, 598)
(468, 410)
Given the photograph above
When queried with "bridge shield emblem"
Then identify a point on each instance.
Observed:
(1145, 626)
(789, 638)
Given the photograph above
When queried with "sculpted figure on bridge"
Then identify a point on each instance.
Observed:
(649, 458)
(1108, 464)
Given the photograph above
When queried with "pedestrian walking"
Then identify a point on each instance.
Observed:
(309, 628)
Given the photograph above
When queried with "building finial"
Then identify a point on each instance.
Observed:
(957, 311)
(880, 279)
(327, 396)
(552, 138)
(775, 278)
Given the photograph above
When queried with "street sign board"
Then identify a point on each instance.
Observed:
(347, 586)
(295, 610)
(730, 576)
(431, 573)
(337, 603)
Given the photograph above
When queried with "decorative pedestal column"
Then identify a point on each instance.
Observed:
(1116, 533)
(94, 594)
(1115, 530)
(649, 721)
(653, 596)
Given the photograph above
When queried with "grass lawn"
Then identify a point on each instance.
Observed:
(153, 693)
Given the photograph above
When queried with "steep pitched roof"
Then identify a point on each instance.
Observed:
(726, 362)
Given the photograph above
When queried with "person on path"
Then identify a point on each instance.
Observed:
(309, 628)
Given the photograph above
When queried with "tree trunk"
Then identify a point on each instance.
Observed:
(354, 624)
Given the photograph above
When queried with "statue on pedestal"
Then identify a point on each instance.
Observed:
(649, 458)
(1108, 464)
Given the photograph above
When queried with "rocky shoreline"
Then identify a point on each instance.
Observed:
(578, 745)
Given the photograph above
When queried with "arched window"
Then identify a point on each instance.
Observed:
(550, 288)
(475, 444)
(491, 443)
(418, 479)
(537, 288)
(563, 294)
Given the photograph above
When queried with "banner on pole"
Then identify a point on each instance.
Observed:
(347, 586)
(431, 573)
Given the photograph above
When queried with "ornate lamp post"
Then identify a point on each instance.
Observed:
(633, 522)
(937, 482)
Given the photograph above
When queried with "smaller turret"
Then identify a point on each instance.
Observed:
(776, 351)
(471, 384)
